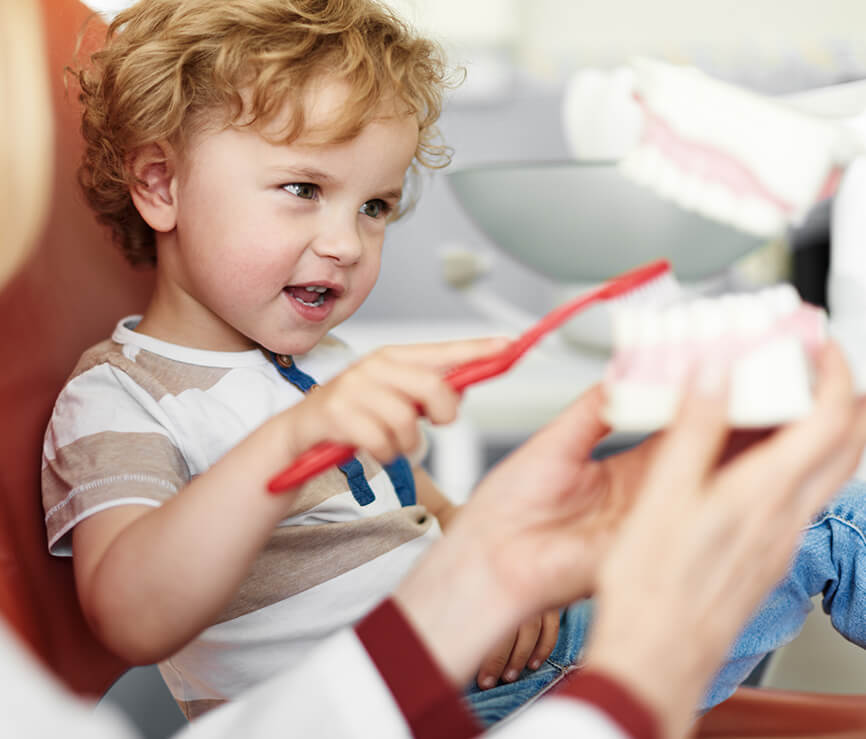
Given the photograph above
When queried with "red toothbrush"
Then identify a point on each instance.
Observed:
(655, 278)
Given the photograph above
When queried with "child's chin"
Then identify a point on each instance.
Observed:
(296, 345)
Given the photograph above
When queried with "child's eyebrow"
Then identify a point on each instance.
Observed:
(307, 173)
(395, 194)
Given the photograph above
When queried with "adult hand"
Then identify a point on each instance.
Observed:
(529, 539)
(710, 534)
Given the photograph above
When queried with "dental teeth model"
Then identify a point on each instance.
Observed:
(768, 340)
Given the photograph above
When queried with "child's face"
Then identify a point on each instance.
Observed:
(259, 223)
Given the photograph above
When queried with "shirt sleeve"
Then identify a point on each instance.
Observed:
(104, 447)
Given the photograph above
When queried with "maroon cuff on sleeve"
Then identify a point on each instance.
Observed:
(431, 705)
(606, 694)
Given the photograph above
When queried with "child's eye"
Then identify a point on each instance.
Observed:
(376, 208)
(305, 190)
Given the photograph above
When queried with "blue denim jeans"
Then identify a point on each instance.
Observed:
(831, 560)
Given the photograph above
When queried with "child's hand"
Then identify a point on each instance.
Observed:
(529, 647)
(375, 403)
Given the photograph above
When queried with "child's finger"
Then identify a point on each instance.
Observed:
(422, 388)
(546, 639)
(394, 412)
(494, 663)
(443, 355)
(524, 645)
(366, 432)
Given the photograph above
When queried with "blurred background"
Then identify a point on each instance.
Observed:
(519, 57)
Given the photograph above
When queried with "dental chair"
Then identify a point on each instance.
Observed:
(68, 296)
(763, 713)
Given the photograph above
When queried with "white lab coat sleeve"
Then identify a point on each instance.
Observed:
(34, 705)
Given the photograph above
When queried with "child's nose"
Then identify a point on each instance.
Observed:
(340, 242)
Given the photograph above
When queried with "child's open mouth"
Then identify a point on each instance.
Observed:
(311, 295)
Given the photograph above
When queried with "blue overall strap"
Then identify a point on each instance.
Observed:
(398, 471)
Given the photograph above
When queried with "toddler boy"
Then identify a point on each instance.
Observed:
(252, 152)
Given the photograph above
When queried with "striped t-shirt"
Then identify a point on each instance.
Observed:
(139, 418)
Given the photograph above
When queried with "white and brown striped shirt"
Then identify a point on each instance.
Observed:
(139, 418)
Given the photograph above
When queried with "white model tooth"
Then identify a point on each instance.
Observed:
(674, 325)
(783, 299)
(648, 328)
(758, 217)
(625, 329)
(689, 189)
(728, 307)
(705, 320)
(632, 166)
(750, 316)
(716, 202)
(647, 164)
(673, 184)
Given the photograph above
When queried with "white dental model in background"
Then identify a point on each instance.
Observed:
(767, 340)
(758, 163)
(755, 162)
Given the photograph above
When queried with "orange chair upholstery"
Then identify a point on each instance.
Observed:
(68, 296)
(757, 712)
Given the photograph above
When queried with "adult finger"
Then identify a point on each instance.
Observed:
(834, 471)
(693, 443)
(581, 425)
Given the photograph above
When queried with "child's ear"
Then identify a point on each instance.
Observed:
(153, 189)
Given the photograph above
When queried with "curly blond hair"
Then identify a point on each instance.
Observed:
(169, 65)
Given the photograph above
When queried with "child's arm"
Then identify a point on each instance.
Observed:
(432, 498)
(150, 579)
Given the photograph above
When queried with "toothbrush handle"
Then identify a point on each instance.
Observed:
(312, 462)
